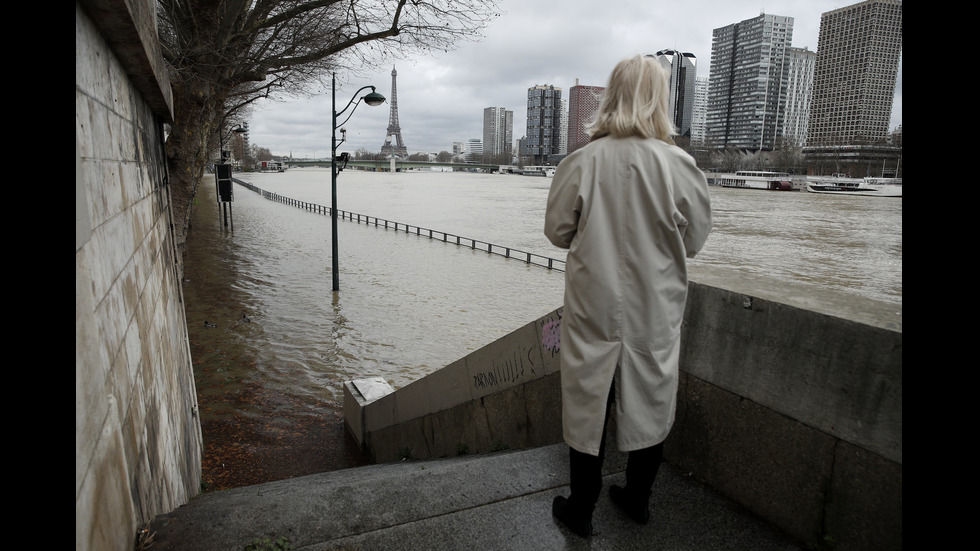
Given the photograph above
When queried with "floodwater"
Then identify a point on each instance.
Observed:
(260, 274)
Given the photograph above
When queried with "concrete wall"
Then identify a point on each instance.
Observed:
(137, 435)
(504, 395)
(790, 402)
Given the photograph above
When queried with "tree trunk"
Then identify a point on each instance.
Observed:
(187, 151)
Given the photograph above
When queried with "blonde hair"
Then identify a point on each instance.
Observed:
(636, 102)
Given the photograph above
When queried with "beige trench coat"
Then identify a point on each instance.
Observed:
(630, 211)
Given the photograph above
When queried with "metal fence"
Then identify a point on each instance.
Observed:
(475, 244)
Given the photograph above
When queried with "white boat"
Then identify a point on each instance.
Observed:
(841, 184)
(758, 179)
(547, 171)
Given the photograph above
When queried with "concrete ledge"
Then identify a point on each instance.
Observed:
(830, 372)
(357, 394)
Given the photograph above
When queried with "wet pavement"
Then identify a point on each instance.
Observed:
(499, 501)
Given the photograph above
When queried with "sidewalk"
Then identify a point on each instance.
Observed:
(499, 501)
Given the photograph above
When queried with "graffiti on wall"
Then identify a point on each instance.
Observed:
(507, 369)
(551, 334)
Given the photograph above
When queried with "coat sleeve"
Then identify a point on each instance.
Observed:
(694, 204)
(564, 205)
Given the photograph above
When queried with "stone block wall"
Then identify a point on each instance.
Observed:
(137, 434)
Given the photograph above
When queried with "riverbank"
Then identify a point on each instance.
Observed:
(253, 431)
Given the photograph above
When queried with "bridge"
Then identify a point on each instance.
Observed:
(384, 165)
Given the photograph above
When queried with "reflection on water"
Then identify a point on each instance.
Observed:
(408, 305)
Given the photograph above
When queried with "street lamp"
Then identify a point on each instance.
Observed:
(223, 137)
(372, 99)
(222, 170)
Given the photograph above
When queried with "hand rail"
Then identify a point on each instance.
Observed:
(475, 244)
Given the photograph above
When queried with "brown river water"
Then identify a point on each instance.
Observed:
(272, 344)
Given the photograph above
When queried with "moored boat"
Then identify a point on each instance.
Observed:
(841, 184)
(547, 171)
(758, 179)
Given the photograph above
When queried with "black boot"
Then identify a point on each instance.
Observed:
(576, 518)
(636, 505)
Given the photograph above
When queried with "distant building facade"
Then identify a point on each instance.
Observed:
(543, 123)
(563, 129)
(583, 104)
(700, 110)
(856, 69)
(498, 130)
(747, 88)
(683, 76)
(799, 92)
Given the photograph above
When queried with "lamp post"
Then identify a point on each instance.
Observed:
(222, 187)
(372, 99)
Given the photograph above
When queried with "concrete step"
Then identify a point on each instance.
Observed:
(499, 501)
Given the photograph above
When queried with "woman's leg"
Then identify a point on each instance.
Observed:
(641, 470)
(585, 483)
(642, 467)
(585, 471)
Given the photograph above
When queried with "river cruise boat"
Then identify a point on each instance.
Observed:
(272, 166)
(841, 184)
(758, 179)
(547, 171)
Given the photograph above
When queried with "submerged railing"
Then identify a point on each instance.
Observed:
(475, 244)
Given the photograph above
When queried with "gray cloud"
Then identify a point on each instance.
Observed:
(441, 98)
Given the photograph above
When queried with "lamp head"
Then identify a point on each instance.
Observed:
(373, 98)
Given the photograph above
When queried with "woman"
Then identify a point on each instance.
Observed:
(630, 207)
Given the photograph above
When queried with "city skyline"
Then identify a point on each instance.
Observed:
(441, 98)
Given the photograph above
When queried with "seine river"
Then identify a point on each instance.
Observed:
(408, 304)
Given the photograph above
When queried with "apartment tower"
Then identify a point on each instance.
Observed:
(498, 131)
(700, 110)
(747, 88)
(858, 54)
(583, 105)
(543, 123)
(799, 92)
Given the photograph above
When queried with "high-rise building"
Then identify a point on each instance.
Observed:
(700, 110)
(543, 123)
(799, 91)
(747, 89)
(583, 104)
(563, 129)
(498, 131)
(683, 75)
(858, 54)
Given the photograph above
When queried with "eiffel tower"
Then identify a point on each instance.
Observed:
(393, 129)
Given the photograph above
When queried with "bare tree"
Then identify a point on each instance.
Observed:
(224, 55)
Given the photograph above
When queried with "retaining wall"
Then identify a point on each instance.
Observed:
(790, 402)
(137, 434)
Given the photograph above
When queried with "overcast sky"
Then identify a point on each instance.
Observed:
(534, 42)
